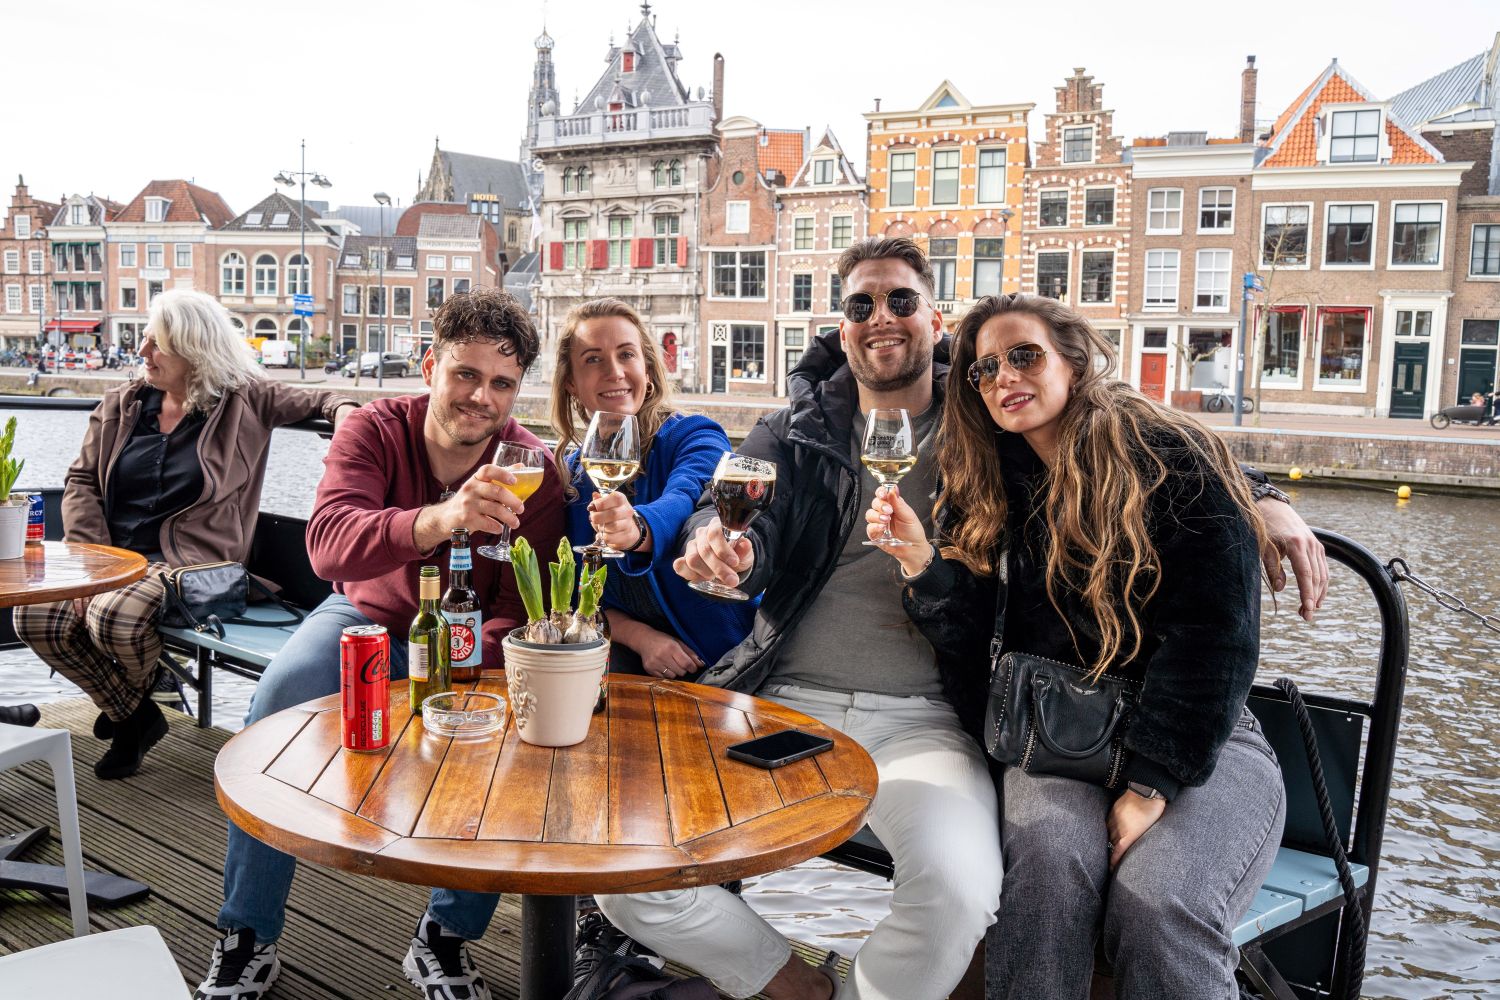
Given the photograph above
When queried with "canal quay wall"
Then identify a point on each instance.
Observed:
(1350, 448)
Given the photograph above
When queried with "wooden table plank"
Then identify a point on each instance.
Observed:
(694, 798)
(798, 780)
(350, 774)
(259, 745)
(400, 791)
(578, 796)
(638, 797)
(749, 791)
(516, 807)
(307, 755)
(61, 571)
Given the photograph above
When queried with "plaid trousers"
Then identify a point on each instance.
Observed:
(112, 651)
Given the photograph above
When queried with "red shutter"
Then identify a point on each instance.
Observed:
(682, 251)
(554, 256)
(598, 254)
(644, 252)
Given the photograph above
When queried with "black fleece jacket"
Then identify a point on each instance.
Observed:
(1201, 629)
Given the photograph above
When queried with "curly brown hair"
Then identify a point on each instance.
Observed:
(489, 315)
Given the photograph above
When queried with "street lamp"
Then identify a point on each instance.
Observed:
(304, 282)
(382, 199)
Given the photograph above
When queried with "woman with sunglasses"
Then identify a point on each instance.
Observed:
(1131, 547)
(658, 624)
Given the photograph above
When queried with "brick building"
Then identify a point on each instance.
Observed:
(737, 242)
(257, 265)
(1457, 111)
(824, 209)
(456, 250)
(156, 242)
(379, 294)
(80, 292)
(493, 189)
(24, 268)
(1355, 241)
(1076, 218)
(623, 176)
(951, 174)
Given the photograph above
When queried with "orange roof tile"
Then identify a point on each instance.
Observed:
(781, 149)
(1296, 135)
(186, 203)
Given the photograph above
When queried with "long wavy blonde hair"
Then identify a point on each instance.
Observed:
(195, 327)
(569, 418)
(1098, 491)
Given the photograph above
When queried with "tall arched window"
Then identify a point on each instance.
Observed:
(232, 274)
(659, 174)
(266, 327)
(295, 328)
(298, 278)
(584, 174)
(568, 181)
(265, 275)
(676, 170)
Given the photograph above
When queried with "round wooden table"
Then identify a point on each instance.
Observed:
(647, 801)
(61, 571)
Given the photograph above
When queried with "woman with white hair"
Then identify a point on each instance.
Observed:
(171, 467)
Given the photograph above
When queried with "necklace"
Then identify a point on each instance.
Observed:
(447, 493)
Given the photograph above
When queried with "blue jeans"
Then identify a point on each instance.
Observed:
(257, 878)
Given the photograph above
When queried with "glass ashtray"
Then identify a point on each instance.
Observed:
(464, 715)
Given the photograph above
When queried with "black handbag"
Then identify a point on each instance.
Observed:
(207, 596)
(1048, 717)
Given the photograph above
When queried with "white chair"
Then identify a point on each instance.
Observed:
(140, 968)
(19, 745)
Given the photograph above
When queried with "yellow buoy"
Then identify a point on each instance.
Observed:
(1295, 473)
(1403, 492)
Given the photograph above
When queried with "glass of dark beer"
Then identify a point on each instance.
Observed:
(743, 489)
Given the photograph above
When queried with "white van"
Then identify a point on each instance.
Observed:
(278, 354)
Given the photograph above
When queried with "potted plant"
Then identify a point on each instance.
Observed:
(15, 507)
(554, 663)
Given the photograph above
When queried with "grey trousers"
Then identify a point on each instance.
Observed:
(1166, 914)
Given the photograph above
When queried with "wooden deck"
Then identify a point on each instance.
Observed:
(345, 934)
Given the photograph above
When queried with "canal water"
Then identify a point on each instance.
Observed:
(1436, 930)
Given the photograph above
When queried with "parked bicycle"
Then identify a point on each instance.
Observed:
(1222, 398)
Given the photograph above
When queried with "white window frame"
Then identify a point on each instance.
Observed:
(1199, 271)
(15, 299)
(78, 214)
(178, 251)
(135, 293)
(1480, 275)
(1233, 199)
(437, 262)
(821, 166)
(765, 353)
(265, 289)
(397, 310)
(890, 170)
(1260, 243)
(298, 284)
(792, 292)
(958, 173)
(1382, 140)
(158, 253)
(1165, 229)
(240, 264)
(1390, 256)
(1114, 211)
(128, 255)
(156, 209)
(1067, 207)
(1364, 369)
(833, 230)
(1062, 140)
(1258, 364)
(1176, 269)
(1374, 235)
(1114, 261)
(1036, 272)
(37, 298)
(769, 274)
(979, 170)
(461, 263)
(359, 300)
(12, 262)
(619, 235)
(737, 217)
(36, 262)
(22, 225)
(811, 228)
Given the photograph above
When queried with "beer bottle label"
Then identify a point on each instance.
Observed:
(465, 638)
(417, 668)
(460, 560)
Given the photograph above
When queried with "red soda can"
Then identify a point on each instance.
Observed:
(36, 519)
(365, 671)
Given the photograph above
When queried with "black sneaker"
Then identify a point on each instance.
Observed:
(133, 737)
(605, 956)
(440, 967)
(240, 970)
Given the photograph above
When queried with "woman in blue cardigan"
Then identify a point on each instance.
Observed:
(607, 361)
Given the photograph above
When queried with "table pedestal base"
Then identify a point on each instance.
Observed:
(548, 924)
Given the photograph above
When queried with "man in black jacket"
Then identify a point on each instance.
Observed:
(831, 640)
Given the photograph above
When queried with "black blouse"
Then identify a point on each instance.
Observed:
(157, 475)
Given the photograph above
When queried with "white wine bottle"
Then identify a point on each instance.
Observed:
(428, 648)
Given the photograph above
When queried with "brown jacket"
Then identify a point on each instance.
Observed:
(232, 449)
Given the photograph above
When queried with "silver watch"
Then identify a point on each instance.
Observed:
(1144, 791)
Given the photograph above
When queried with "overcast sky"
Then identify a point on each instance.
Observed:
(105, 95)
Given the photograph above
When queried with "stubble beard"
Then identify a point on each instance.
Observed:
(912, 368)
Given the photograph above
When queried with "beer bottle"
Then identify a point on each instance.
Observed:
(427, 645)
(460, 609)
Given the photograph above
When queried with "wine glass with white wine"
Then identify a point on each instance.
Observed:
(529, 466)
(890, 452)
(611, 457)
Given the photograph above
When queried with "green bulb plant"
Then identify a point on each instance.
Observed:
(10, 468)
(563, 624)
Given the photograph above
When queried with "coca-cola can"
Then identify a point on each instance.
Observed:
(365, 670)
(36, 519)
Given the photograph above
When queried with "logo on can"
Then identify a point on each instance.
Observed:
(36, 519)
(365, 683)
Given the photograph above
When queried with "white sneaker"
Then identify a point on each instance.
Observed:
(240, 970)
(440, 967)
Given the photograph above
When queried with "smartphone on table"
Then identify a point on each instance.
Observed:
(779, 749)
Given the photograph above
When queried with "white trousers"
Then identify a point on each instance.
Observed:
(936, 813)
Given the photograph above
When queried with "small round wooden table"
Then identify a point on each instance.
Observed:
(647, 801)
(61, 571)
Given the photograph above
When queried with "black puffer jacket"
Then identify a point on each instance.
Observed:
(798, 541)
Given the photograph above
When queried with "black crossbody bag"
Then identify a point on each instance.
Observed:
(208, 596)
(1049, 717)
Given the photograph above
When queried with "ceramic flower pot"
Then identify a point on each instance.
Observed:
(553, 688)
(13, 529)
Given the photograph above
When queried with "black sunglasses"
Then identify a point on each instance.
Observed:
(1022, 358)
(902, 302)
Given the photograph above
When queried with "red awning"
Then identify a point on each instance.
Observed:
(74, 325)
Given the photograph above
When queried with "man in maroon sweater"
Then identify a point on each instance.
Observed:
(401, 474)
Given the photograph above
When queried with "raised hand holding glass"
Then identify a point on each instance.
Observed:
(611, 457)
(890, 451)
(743, 489)
(529, 466)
